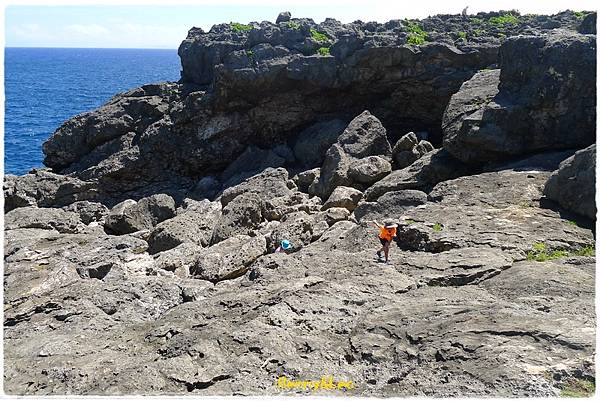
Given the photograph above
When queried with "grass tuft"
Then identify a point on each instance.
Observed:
(293, 25)
(540, 252)
(437, 227)
(323, 51)
(505, 19)
(578, 388)
(237, 27)
(318, 36)
(416, 34)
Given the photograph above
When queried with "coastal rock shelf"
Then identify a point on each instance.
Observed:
(142, 260)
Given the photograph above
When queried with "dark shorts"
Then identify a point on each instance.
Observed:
(384, 242)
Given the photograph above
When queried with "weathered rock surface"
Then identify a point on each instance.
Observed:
(550, 100)
(573, 185)
(196, 302)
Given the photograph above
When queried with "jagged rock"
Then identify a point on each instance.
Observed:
(283, 16)
(573, 185)
(434, 167)
(45, 189)
(179, 259)
(344, 197)
(312, 143)
(44, 218)
(390, 205)
(130, 216)
(241, 216)
(368, 170)
(88, 211)
(588, 25)
(268, 184)
(364, 136)
(482, 125)
(334, 214)
(194, 224)
(406, 142)
(306, 178)
(295, 227)
(276, 208)
(229, 258)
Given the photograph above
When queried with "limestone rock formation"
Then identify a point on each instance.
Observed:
(143, 263)
(573, 185)
(526, 106)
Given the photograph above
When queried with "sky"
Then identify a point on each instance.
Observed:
(157, 25)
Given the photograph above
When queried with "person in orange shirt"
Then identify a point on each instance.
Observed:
(387, 232)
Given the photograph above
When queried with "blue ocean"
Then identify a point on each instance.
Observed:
(46, 86)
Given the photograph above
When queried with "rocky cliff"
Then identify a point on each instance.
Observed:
(141, 261)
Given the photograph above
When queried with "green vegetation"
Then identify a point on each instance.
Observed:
(323, 51)
(477, 32)
(476, 21)
(318, 36)
(437, 227)
(579, 14)
(578, 388)
(416, 34)
(250, 55)
(586, 251)
(540, 253)
(237, 27)
(462, 35)
(502, 36)
(409, 221)
(572, 222)
(293, 25)
(505, 19)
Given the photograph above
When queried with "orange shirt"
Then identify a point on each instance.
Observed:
(387, 233)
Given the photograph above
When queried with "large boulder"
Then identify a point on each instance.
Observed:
(42, 188)
(268, 184)
(88, 211)
(364, 136)
(390, 205)
(368, 170)
(573, 185)
(528, 106)
(130, 216)
(434, 167)
(345, 197)
(229, 258)
(242, 215)
(252, 161)
(194, 224)
(45, 218)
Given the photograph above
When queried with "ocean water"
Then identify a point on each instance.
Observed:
(46, 86)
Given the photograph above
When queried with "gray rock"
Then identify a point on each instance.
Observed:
(406, 142)
(88, 211)
(573, 185)
(283, 16)
(296, 228)
(312, 143)
(207, 188)
(345, 197)
(194, 225)
(482, 125)
(242, 215)
(368, 170)
(365, 136)
(434, 167)
(229, 258)
(179, 259)
(306, 178)
(588, 25)
(390, 205)
(268, 184)
(44, 218)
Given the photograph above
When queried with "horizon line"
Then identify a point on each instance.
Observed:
(74, 47)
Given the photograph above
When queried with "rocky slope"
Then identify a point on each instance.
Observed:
(141, 261)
